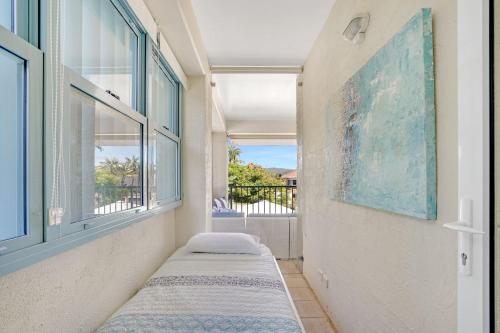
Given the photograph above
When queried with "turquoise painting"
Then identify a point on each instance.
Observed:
(382, 144)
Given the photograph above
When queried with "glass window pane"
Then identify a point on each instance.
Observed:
(162, 97)
(6, 14)
(105, 160)
(101, 46)
(12, 142)
(164, 171)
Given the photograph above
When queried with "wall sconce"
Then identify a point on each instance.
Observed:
(355, 30)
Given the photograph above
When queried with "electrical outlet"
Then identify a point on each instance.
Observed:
(320, 273)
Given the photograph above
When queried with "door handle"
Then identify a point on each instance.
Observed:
(462, 227)
(465, 231)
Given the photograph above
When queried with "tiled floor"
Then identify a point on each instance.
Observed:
(312, 315)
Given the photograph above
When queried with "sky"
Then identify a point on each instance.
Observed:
(118, 152)
(270, 156)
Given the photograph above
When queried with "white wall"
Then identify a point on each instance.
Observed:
(195, 214)
(278, 233)
(387, 273)
(220, 160)
(79, 289)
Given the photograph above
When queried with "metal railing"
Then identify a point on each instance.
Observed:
(263, 200)
(116, 198)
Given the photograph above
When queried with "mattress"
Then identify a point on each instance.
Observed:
(200, 292)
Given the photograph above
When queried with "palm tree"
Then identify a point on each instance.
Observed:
(112, 165)
(234, 154)
(131, 168)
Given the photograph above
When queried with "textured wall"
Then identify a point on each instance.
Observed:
(195, 214)
(79, 289)
(387, 272)
(219, 165)
(381, 127)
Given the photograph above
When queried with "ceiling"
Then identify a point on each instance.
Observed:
(179, 26)
(246, 97)
(260, 32)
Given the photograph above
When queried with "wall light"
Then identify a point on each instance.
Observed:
(355, 30)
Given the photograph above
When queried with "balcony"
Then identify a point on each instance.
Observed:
(116, 198)
(255, 200)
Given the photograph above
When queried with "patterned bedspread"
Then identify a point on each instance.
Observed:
(209, 293)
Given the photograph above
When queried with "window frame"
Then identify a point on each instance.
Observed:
(137, 113)
(33, 132)
(155, 57)
(52, 240)
(132, 22)
(73, 80)
(153, 127)
(141, 71)
(24, 18)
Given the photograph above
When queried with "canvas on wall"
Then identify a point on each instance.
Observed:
(382, 148)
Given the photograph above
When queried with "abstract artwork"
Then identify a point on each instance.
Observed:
(381, 123)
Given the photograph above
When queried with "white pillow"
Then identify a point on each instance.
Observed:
(224, 242)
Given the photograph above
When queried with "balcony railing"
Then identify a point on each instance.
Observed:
(116, 198)
(263, 200)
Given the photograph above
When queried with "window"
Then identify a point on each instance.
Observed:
(105, 159)
(20, 113)
(12, 130)
(163, 108)
(7, 14)
(104, 156)
(103, 173)
(164, 169)
(20, 17)
(102, 45)
(164, 91)
(106, 163)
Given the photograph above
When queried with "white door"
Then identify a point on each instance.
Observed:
(495, 302)
(473, 114)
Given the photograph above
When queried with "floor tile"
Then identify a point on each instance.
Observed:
(302, 294)
(312, 315)
(295, 281)
(317, 325)
(309, 309)
(288, 267)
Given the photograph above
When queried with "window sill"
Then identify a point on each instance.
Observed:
(28, 256)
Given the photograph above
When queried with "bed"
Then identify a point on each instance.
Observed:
(206, 292)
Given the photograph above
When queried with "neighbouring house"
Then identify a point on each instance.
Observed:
(290, 178)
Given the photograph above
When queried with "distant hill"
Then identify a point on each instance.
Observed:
(278, 171)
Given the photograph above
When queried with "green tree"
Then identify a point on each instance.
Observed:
(251, 174)
(234, 154)
(121, 170)
(111, 178)
(131, 168)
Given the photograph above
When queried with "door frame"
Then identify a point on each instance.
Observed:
(492, 134)
(473, 60)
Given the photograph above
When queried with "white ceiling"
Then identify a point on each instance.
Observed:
(256, 96)
(179, 26)
(260, 32)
